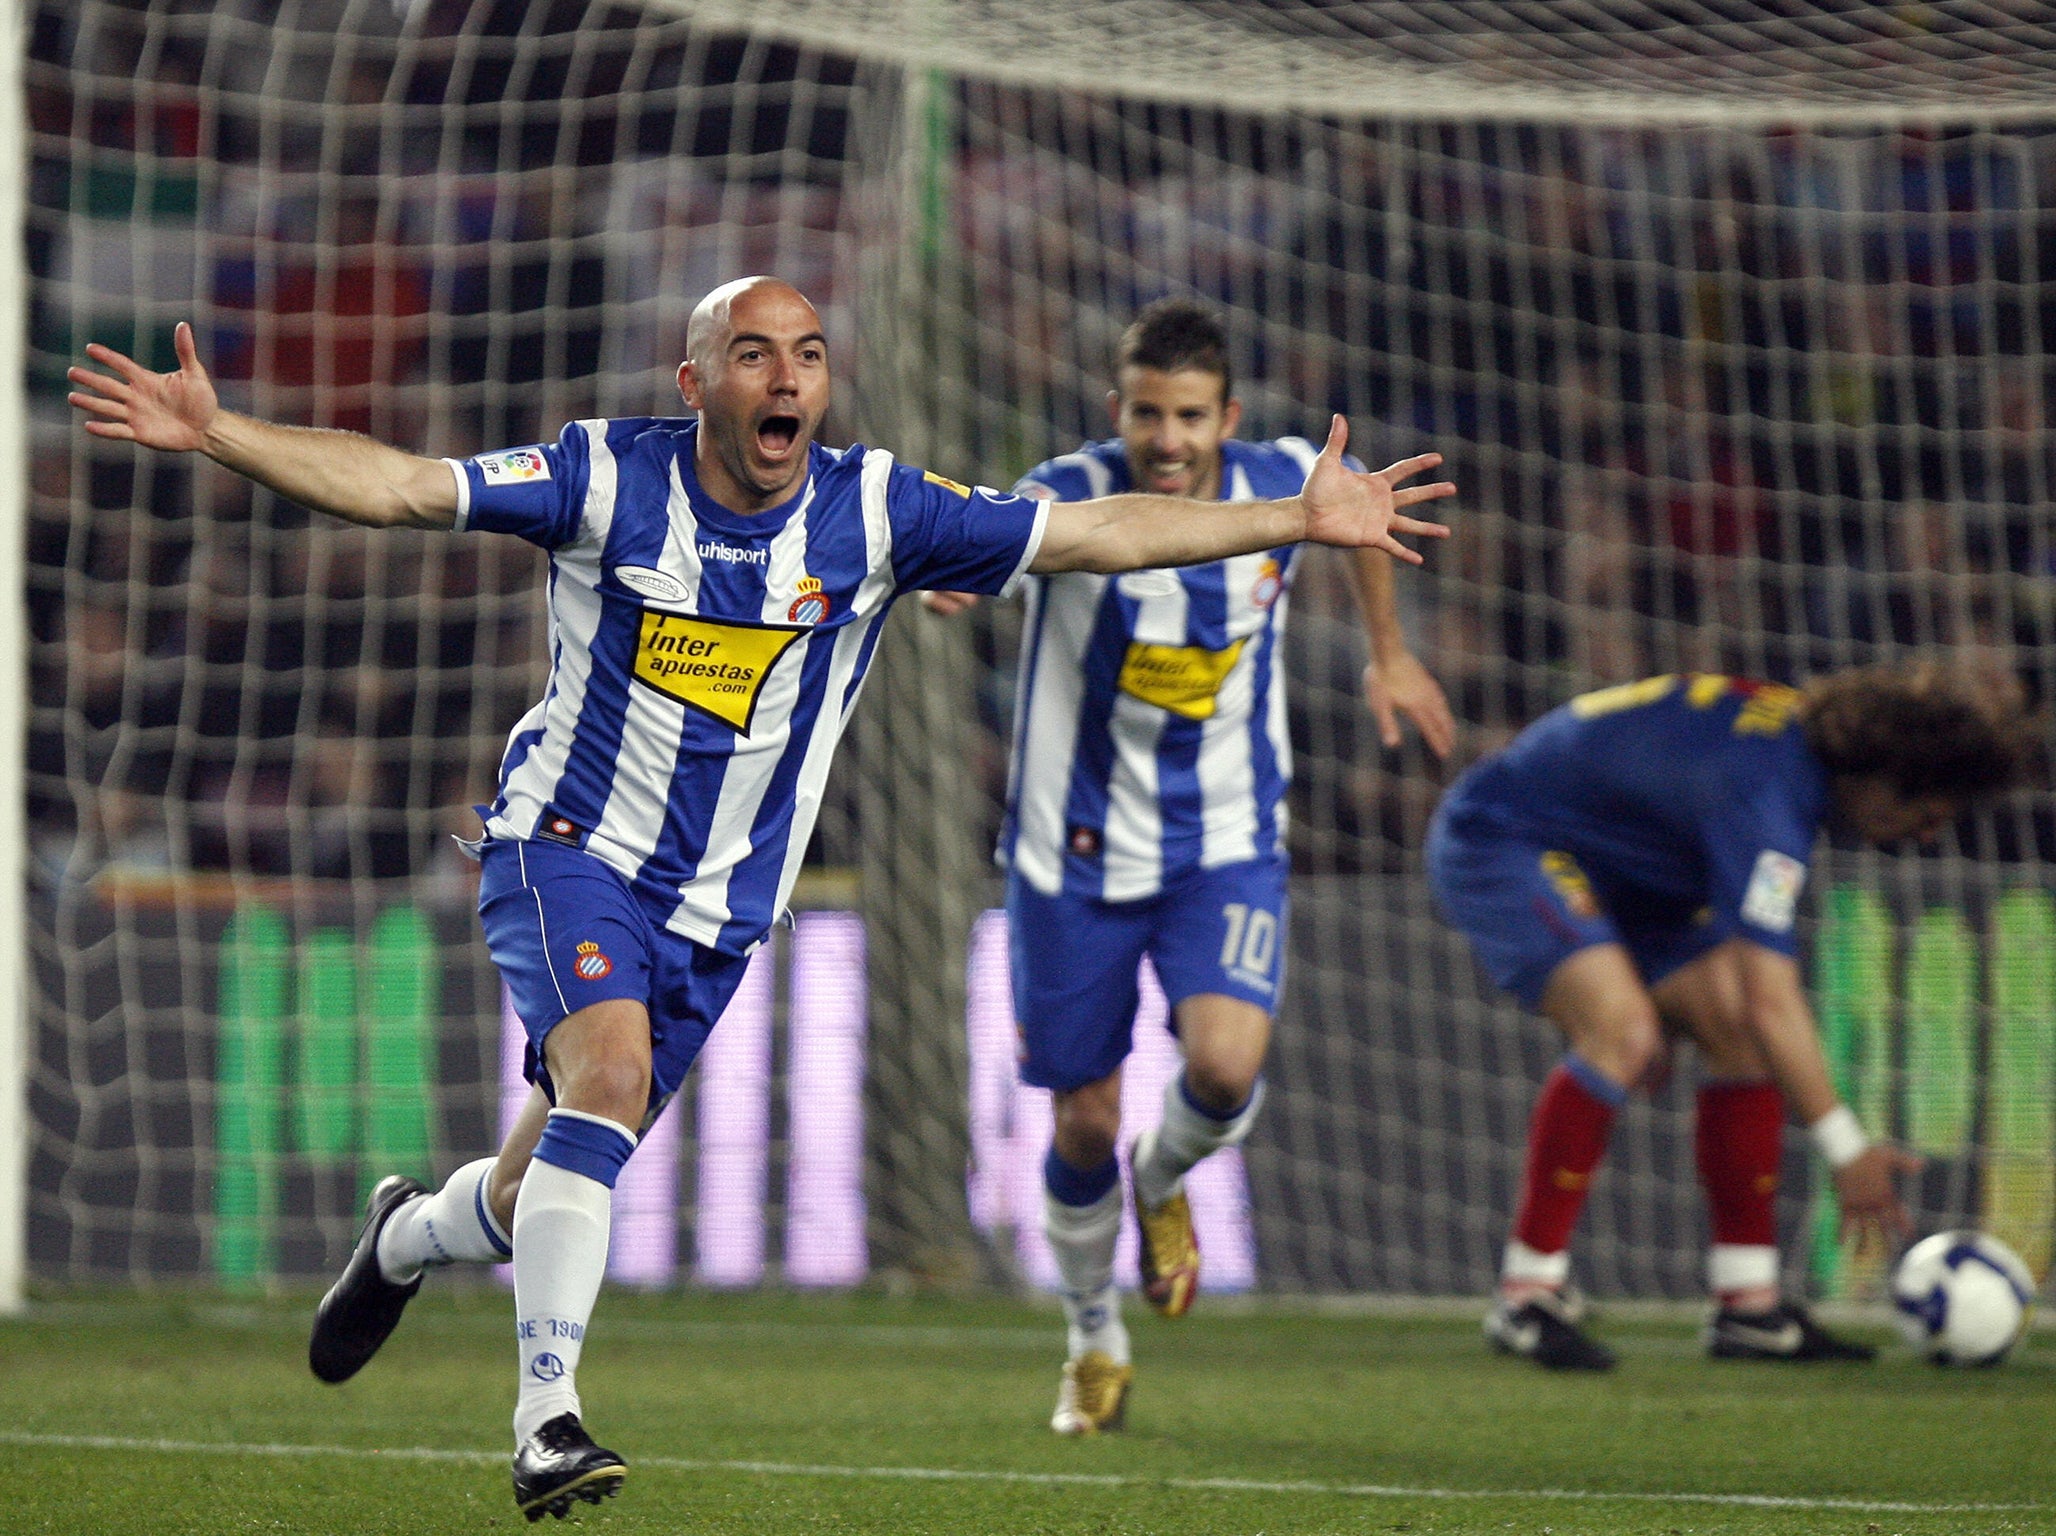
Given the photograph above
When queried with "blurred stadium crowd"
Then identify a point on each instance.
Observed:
(1734, 398)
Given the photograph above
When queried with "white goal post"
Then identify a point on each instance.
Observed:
(14, 690)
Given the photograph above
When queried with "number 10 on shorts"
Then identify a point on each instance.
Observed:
(1252, 941)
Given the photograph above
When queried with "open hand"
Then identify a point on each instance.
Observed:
(1870, 1197)
(171, 411)
(1359, 510)
(1402, 686)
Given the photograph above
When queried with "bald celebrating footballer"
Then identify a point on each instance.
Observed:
(716, 587)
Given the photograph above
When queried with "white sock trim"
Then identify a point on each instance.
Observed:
(483, 1207)
(601, 1120)
(1741, 1267)
(443, 1227)
(1533, 1266)
(399, 1242)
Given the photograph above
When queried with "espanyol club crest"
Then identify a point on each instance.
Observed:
(1267, 586)
(591, 965)
(811, 606)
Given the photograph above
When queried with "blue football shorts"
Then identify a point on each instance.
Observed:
(566, 931)
(1075, 959)
(1527, 908)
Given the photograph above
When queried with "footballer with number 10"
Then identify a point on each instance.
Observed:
(715, 591)
(1145, 815)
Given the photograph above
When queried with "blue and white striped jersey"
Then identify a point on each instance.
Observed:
(1149, 725)
(703, 663)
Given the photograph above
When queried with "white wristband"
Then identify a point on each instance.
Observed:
(1839, 1136)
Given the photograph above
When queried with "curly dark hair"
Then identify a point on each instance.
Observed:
(1926, 729)
(1177, 333)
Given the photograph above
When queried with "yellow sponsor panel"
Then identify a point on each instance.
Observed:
(1183, 679)
(947, 484)
(717, 669)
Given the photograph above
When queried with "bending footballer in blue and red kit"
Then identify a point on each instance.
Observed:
(1631, 866)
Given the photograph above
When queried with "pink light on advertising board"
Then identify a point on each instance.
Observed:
(824, 1188)
(733, 1128)
(643, 1246)
(513, 1087)
(825, 1239)
(989, 1032)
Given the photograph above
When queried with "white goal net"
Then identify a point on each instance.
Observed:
(1731, 318)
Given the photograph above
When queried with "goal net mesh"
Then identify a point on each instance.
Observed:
(1729, 318)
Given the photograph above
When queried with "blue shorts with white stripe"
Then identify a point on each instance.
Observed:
(566, 932)
(1075, 961)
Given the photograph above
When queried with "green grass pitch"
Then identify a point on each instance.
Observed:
(775, 1414)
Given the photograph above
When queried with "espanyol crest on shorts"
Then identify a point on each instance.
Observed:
(591, 965)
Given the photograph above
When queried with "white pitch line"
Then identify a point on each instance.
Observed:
(1038, 1479)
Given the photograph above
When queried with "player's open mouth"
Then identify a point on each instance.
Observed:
(777, 434)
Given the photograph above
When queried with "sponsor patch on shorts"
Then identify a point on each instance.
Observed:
(1573, 889)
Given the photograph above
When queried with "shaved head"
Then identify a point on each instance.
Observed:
(712, 322)
(756, 371)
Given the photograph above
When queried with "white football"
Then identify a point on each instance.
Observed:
(1963, 1298)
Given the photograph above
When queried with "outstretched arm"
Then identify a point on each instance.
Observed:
(343, 473)
(1784, 1028)
(1337, 506)
(1395, 683)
